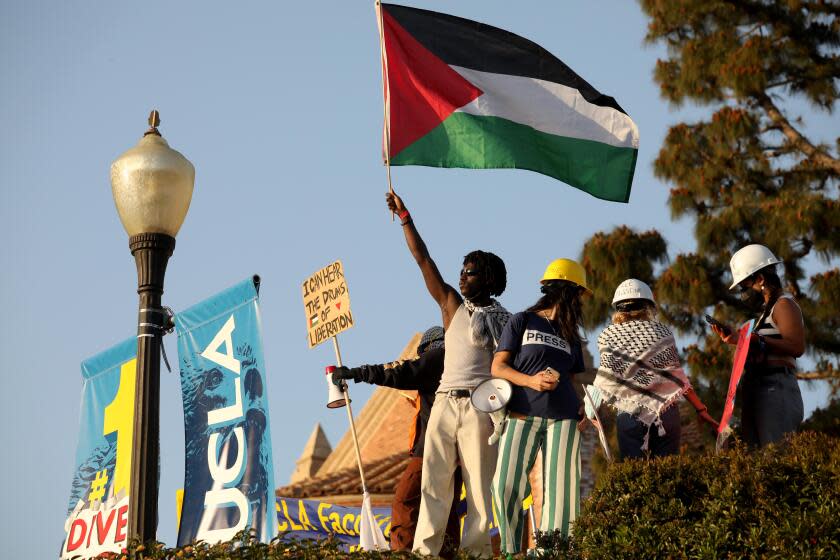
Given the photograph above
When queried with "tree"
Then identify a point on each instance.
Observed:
(747, 174)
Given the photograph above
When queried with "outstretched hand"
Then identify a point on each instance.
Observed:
(339, 374)
(394, 202)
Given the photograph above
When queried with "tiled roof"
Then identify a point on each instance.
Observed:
(381, 477)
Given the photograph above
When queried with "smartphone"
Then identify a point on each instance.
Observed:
(712, 321)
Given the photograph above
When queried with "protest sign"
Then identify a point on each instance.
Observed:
(326, 302)
(741, 351)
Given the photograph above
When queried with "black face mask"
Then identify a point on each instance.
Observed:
(753, 300)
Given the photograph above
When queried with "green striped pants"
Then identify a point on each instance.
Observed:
(518, 446)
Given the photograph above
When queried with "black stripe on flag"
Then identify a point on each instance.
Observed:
(477, 46)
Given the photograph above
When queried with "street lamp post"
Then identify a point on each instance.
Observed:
(152, 186)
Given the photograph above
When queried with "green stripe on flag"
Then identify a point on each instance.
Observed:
(481, 142)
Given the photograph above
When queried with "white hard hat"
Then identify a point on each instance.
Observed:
(748, 260)
(632, 289)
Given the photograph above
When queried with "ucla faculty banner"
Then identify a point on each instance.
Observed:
(229, 478)
(311, 519)
(97, 516)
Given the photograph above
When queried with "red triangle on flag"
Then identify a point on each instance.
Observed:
(338, 306)
(424, 90)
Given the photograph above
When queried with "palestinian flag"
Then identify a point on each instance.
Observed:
(464, 94)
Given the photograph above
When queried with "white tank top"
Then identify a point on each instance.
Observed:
(769, 329)
(464, 365)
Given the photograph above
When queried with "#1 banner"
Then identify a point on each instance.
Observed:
(229, 478)
(97, 516)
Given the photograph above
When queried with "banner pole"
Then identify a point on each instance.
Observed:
(386, 97)
(346, 392)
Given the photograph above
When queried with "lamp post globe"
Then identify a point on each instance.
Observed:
(152, 186)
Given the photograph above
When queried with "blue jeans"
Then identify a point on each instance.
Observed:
(771, 406)
(631, 435)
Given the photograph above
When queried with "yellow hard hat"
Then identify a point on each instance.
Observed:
(565, 269)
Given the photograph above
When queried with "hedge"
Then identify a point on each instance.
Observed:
(779, 502)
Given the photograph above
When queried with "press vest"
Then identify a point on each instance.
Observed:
(464, 364)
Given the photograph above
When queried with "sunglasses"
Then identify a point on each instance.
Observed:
(469, 272)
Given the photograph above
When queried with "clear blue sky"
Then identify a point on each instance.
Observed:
(278, 107)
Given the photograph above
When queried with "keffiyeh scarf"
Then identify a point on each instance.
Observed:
(486, 323)
(640, 371)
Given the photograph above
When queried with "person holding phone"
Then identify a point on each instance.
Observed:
(539, 352)
(640, 375)
(771, 403)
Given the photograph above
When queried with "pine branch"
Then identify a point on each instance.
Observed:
(816, 375)
(806, 245)
(796, 138)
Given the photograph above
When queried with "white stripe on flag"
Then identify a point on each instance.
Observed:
(548, 107)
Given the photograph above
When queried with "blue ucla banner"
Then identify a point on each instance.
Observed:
(229, 478)
(311, 519)
(97, 515)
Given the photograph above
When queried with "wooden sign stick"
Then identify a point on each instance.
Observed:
(350, 417)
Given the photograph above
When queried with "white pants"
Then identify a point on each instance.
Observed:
(455, 431)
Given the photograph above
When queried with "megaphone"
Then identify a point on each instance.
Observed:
(336, 395)
(491, 394)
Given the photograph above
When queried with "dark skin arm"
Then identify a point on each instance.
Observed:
(788, 319)
(445, 295)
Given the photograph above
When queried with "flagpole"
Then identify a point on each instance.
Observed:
(346, 392)
(386, 97)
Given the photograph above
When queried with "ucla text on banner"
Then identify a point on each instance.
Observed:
(326, 303)
(311, 519)
(229, 478)
(97, 515)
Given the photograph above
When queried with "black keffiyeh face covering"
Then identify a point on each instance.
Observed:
(432, 338)
(486, 323)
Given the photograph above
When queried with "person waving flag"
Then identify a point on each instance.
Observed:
(459, 93)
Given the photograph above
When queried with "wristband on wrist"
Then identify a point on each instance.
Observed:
(404, 214)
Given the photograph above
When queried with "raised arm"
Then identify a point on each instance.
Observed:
(445, 295)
